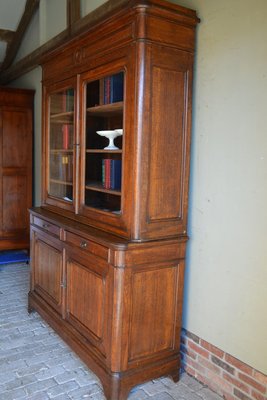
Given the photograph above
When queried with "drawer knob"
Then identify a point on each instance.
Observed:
(83, 244)
(45, 226)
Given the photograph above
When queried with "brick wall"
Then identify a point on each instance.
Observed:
(224, 374)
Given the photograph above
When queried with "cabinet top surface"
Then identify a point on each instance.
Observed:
(108, 17)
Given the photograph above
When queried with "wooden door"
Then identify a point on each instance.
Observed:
(87, 296)
(47, 269)
(16, 176)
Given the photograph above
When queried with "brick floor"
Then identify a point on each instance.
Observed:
(36, 364)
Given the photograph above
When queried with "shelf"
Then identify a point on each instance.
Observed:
(61, 151)
(62, 118)
(61, 182)
(106, 109)
(97, 187)
(99, 151)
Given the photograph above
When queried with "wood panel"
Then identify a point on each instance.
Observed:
(47, 274)
(16, 148)
(15, 202)
(85, 298)
(166, 144)
(153, 312)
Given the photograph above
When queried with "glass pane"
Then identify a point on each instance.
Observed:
(104, 143)
(61, 133)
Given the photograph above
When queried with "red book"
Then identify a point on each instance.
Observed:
(65, 133)
(107, 173)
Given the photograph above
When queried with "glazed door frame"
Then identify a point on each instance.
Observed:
(48, 91)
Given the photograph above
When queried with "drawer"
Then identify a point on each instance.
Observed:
(86, 245)
(47, 226)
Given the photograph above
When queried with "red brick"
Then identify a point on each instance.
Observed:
(238, 364)
(190, 370)
(257, 395)
(241, 395)
(228, 396)
(211, 384)
(258, 376)
(211, 348)
(223, 365)
(188, 352)
(198, 349)
(221, 383)
(240, 385)
(261, 388)
(195, 365)
(209, 365)
(193, 337)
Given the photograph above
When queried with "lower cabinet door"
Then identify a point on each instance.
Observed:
(47, 279)
(87, 296)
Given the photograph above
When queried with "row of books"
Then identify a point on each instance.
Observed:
(111, 174)
(68, 100)
(67, 136)
(113, 88)
(62, 167)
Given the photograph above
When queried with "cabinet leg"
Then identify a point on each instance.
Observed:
(116, 390)
(175, 376)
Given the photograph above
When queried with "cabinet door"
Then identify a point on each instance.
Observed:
(59, 102)
(47, 269)
(15, 172)
(107, 145)
(87, 296)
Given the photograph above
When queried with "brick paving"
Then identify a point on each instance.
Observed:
(35, 364)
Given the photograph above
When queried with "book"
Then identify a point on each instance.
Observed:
(111, 174)
(113, 88)
(115, 174)
(107, 173)
(116, 88)
(65, 137)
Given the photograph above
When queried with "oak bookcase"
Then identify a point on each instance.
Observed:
(108, 243)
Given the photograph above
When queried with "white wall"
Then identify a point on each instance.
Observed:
(226, 279)
(89, 5)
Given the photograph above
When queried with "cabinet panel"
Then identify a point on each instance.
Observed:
(86, 300)
(166, 144)
(15, 202)
(16, 148)
(154, 302)
(48, 270)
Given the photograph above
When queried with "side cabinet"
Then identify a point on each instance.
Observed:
(118, 304)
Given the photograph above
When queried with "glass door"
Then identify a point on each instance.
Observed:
(61, 145)
(104, 143)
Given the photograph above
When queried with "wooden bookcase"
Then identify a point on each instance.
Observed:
(108, 243)
(16, 132)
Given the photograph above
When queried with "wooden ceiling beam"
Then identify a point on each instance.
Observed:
(80, 26)
(73, 12)
(6, 35)
(12, 48)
